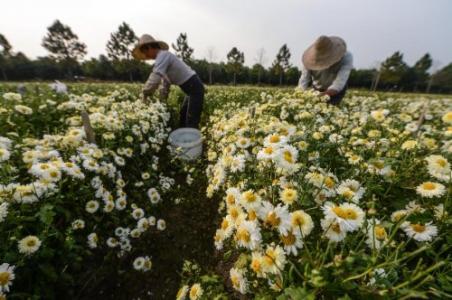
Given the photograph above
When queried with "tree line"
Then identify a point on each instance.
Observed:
(66, 61)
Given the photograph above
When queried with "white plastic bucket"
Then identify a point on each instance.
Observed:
(186, 143)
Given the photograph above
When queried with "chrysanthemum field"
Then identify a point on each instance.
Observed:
(292, 199)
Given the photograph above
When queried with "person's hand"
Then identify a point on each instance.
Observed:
(331, 92)
(144, 99)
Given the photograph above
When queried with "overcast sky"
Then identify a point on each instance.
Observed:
(373, 29)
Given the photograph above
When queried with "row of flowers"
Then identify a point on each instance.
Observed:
(319, 197)
(62, 198)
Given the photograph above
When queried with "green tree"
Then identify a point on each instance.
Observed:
(64, 45)
(420, 69)
(393, 70)
(5, 54)
(119, 49)
(443, 80)
(235, 63)
(281, 63)
(121, 42)
(183, 50)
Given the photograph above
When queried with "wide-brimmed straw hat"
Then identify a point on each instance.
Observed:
(324, 52)
(146, 39)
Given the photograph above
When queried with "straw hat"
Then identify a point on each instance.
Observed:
(146, 39)
(325, 52)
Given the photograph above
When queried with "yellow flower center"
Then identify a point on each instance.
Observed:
(4, 278)
(252, 215)
(336, 228)
(224, 224)
(288, 239)
(348, 194)
(243, 235)
(441, 162)
(230, 199)
(380, 232)
(235, 280)
(256, 265)
(273, 219)
(429, 186)
(288, 157)
(348, 213)
(268, 150)
(418, 227)
(329, 182)
(274, 139)
(250, 197)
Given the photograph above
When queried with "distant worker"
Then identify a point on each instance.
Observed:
(171, 70)
(326, 67)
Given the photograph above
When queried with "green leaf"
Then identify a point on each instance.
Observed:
(46, 214)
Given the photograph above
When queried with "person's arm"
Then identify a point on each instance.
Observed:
(164, 90)
(158, 71)
(305, 78)
(342, 76)
(151, 86)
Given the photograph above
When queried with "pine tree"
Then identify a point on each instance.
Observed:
(183, 50)
(5, 54)
(121, 42)
(64, 45)
(281, 63)
(119, 49)
(235, 62)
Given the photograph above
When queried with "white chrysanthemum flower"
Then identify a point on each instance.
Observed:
(250, 200)
(138, 213)
(196, 291)
(154, 195)
(267, 153)
(238, 280)
(4, 154)
(332, 230)
(29, 245)
(219, 238)
(112, 242)
(78, 224)
(5, 142)
(6, 277)
(292, 241)
(377, 236)
(237, 163)
(3, 211)
(275, 217)
(286, 158)
(274, 259)
(430, 189)
(161, 224)
(138, 263)
(349, 216)
(420, 232)
(92, 240)
(182, 293)
(92, 206)
(248, 235)
(439, 211)
(243, 142)
(447, 117)
(232, 196)
(275, 140)
(439, 167)
(300, 220)
(351, 190)
(22, 109)
(288, 196)
(14, 97)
